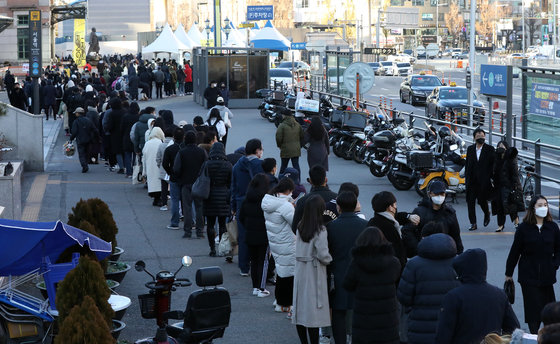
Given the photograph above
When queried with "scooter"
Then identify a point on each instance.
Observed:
(157, 302)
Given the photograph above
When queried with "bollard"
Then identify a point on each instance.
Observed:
(448, 119)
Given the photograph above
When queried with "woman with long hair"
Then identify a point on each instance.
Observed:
(506, 182)
(317, 139)
(251, 217)
(215, 121)
(311, 300)
(536, 247)
(278, 207)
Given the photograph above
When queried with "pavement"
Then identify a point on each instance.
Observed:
(142, 228)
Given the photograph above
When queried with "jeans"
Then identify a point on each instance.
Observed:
(175, 193)
(128, 158)
(120, 160)
(188, 202)
(295, 164)
(243, 260)
(182, 87)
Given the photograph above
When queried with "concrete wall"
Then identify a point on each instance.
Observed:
(24, 132)
(10, 194)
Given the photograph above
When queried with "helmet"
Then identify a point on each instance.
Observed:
(444, 132)
(69, 149)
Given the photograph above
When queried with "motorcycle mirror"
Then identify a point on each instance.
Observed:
(186, 261)
(140, 266)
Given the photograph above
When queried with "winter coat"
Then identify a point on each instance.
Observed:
(425, 281)
(279, 213)
(412, 234)
(251, 217)
(388, 229)
(219, 170)
(149, 164)
(478, 174)
(83, 130)
(372, 278)
(133, 82)
(289, 138)
(159, 157)
(211, 95)
(325, 193)
(475, 308)
(93, 116)
(187, 164)
(506, 180)
(311, 300)
(139, 130)
(49, 94)
(188, 73)
(317, 151)
(342, 236)
(169, 155)
(114, 127)
(219, 126)
(159, 77)
(243, 171)
(538, 254)
(18, 98)
(225, 113)
(128, 121)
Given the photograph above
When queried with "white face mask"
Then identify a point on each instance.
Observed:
(438, 199)
(541, 211)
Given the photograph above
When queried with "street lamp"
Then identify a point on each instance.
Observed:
(207, 29)
(227, 29)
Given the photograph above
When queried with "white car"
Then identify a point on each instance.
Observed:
(401, 58)
(456, 52)
(281, 75)
(403, 69)
(389, 66)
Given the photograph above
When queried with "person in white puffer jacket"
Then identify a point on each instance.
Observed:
(278, 208)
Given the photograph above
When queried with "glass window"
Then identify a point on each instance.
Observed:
(23, 20)
(427, 16)
(417, 2)
(217, 70)
(397, 2)
(23, 44)
(257, 79)
(280, 73)
(453, 93)
(238, 77)
(426, 81)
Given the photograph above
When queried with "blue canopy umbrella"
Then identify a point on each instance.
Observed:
(24, 244)
(270, 38)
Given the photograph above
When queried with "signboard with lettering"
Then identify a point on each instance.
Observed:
(429, 39)
(494, 80)
(299, 46)
(35, 50)
(260, 12)
(544, 100)
(380, 51)
(247, 25)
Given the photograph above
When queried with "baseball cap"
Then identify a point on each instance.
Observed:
(182, 124)
(437, 187)
(79, 110)
(220, 100)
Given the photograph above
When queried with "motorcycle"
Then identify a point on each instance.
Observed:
(401, 172)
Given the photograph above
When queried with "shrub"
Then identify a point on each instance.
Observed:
(96, 212)
(84, 324)
(86, 279)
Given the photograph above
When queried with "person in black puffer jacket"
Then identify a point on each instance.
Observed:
(128, 121)
(217, 206)
(424, 282)
(429, 210)
(506, 180)
(251, 217)
(372, 276)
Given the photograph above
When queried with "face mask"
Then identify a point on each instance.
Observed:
(438, 200)
(500, 151)
(480, 140)
(213, 85)
(541, 211)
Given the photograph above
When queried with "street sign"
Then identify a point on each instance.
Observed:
(299, 46)
(367, 77)
(545, 100)
(35, 51)
(494, 80)
(247, 25)
(429, 39)
(380, 51)
(260, 13)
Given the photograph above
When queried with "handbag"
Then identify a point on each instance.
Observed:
(231, 228)
(515, 198)
(201, 187)
(224, 247)
(509, 289)
(137, 177)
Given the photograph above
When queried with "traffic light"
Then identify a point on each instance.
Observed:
(468, 79)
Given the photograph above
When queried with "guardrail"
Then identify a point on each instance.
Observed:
(494, 126)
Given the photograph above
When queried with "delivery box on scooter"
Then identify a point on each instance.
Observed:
(419, 159)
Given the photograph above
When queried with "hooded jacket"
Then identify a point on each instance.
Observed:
(424, 282)
(279, 213)
(140, 130)
(293, 174)
(371, 277)
(243, 171)
(251, 217)
(149, 160)
(289, 138)
(412, 234)
(475, 308)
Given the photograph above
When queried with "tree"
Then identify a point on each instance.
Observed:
(454, 21)
(96, 212)
(488, 15)
(84, 324)
(532, 20)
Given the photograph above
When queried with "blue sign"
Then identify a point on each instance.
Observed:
(299, 46)
(544, 100)
(493, 80)
(260, 13)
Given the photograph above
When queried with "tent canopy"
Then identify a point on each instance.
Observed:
(24, 244)
(182, 36)
(195, 35)
(166, 43)
(270, 38)
(236, 39)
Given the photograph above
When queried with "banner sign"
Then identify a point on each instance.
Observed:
(308, 105)
(299, 46)
(35, 49)
(260, 13)
(380, 51)
(79, 52)
(544, 100)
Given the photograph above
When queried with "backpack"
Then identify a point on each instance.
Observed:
(58, 92)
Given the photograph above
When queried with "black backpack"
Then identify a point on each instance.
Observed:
(58, 92)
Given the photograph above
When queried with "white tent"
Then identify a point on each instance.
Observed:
(182, 36)
(166, 43)
(270, 38)
(195, 35)
(236, 39)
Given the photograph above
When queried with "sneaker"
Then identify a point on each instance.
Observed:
(173, 227)
(217, 239)
(255, 291)
(289, 317)
(274, 304)
(324, 340)
(278, 308)
(263, 293)
(163, 208)
(120, 171)
(212, 253)
(187, 235)
(500, 229)
(243, 274)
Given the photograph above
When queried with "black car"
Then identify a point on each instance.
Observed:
(452, 100)
(378, 69)
(416, 88)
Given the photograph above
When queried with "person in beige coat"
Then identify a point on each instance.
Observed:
(311, 300)
(149, 164)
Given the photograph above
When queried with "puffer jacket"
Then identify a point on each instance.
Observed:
(289, 138)
(425, 281)
(251, 217)
(140, 130)
(278, 214)
(219, 171)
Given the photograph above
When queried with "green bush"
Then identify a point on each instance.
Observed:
(96, 212)
(86, 279)
(84, 324)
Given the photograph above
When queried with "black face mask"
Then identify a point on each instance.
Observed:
(500, 151)
(480, 140)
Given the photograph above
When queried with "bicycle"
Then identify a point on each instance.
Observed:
(528, 180)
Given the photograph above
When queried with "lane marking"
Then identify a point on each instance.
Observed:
(91, 182)
(35, 198)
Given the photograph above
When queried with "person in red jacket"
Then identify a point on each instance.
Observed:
(188, 79)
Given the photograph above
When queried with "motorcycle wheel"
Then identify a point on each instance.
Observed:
(336, 149)
(263, 113)
(359, 154)
(271, 119)
(421, 193)
(399, 183)
(376, 170)
(347, 151)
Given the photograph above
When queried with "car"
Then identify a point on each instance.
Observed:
(455, 52)
(402, 69)
(462, 55)
(390, 67)
(517, 56)
(452, 100)
(378, 69)
(282, 76)
(298, 66)
(408, 52)
(401, 58)
(447, 52)
(416, 88)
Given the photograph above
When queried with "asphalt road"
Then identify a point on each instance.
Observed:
(143, 234)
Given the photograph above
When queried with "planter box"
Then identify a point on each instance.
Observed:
(10, 192)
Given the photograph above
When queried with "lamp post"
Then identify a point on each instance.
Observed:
(227, 29)
(207, 29)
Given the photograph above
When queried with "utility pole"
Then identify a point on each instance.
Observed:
(472, 62)
(437, 24)
(523, 26)
(377, 27)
